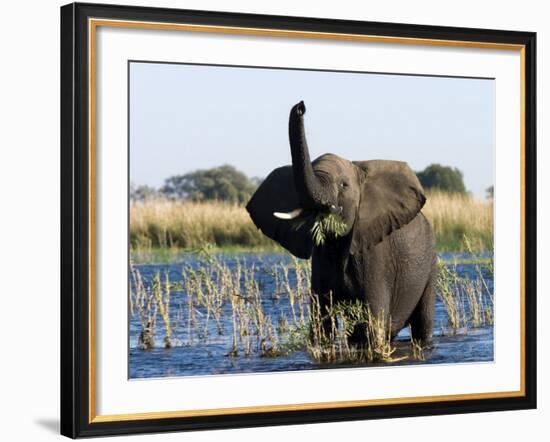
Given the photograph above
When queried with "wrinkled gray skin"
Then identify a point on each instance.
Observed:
(386, 258)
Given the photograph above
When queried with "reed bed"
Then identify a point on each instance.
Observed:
(454, 216)
(166, 224)
(144, 306)
(329, 334)
(185, 224)
(468, 301)
(213, 301)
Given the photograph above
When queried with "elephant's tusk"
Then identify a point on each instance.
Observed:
(289, 215)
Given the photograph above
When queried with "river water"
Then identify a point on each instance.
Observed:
(208, 352)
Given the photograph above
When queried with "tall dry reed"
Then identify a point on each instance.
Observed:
(182, 224)
(216, 298)
(468, 301)
(454, 215)
(164, 223)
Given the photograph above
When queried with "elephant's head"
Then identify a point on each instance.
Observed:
(372, 198)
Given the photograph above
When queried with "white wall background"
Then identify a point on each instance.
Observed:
(29, 245)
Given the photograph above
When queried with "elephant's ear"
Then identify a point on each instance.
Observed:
(277, 194)
(391, 197)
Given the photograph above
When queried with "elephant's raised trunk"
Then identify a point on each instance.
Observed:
(308, 186)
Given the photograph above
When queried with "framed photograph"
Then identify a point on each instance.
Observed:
(273, 220)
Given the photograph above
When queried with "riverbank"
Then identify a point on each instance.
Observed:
(173, 255)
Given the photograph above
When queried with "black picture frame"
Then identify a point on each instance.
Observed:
(76, 417)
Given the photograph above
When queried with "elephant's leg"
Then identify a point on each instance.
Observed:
(423, 315)
(359, 336)
(321, 324)
(378, 309)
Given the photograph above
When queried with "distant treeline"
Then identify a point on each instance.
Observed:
(223, 183)
(226, 183)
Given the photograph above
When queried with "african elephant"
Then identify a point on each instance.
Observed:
(384, 257)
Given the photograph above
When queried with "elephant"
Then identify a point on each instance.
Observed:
(384, 257)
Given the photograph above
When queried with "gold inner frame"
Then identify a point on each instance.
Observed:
(92, 28)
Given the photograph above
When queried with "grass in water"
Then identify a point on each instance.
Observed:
(144, 306)
(330, 344)
(468, 301)
(417, 349)
(214, 299)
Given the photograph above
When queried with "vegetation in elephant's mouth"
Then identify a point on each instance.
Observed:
(324, 224)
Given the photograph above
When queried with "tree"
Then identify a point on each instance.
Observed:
(224, 183)
(142, 192)
(490, 191)
(443, 178)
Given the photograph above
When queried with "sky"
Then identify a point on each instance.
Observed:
(186, 117)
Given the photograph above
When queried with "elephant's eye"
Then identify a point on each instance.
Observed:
(343, 185)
